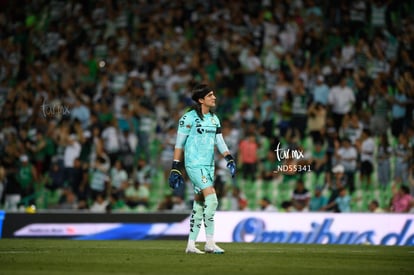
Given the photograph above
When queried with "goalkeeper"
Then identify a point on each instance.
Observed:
(198, 133)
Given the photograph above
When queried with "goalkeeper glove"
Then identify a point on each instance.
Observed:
(175, 179)
(231, 165)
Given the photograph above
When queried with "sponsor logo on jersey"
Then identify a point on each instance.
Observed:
(207, 131)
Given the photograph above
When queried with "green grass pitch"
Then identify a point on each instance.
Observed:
(51, 256)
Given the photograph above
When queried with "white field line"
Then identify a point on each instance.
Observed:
(22, 252)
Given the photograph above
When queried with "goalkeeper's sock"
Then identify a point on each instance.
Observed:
(210, 206)
(195, 222)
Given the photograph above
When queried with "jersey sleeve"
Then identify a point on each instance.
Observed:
(184, 124)
(218, 122)
(220, 143)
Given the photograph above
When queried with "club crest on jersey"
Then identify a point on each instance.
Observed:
(213, 121)
(203, 179)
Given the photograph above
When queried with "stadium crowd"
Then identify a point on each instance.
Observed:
(91, 91)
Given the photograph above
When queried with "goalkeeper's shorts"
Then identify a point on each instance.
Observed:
(201, 177)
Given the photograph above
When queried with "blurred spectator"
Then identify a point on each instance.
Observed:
(286, 207)
(402, 157)
(264, 143)
(248, 155)
(300, 197)
(242, 202)
(266, 205)
(374, 207)
(399, 102)
(79, 183)
(281, 88)
(378, 99)
(146, 128)
(67, 200)
(72, 151)
(366, 151)
(348, 54)
(100, 204)
(119, 178)
(231, 136)
(12, 192)
(332, 142)
(96, 145)
(342, 202)
(300, 102)
(341, 99)
(116, 204)
(243, 115)
(55, 177)
(358, 14)
(233, 200)
(351, 127)
(167, 151)
(27, 178)
(39, 152)
(378, 11)
(335, 184)
(318, 159)
(383, 156)
(346, 155)
(223, 178)
(268, 168)
(128, 146)
(401, 199)
(166, 203)
(78, 178)
(143, 173)
(266, 115)
(362, 81)
(316, 116)
(136, 194)
(321, 91)
(318, 200)
(111, 142)
(81, 113)
(286, 114)
(252, 66)
(99, 179)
